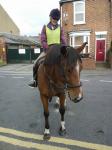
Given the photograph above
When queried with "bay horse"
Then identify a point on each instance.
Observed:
(58, 74)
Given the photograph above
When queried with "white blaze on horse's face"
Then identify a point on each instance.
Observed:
(78, 69)
(76, 93)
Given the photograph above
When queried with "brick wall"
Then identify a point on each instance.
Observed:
(97, 19)
(88, 63)
(2, 50)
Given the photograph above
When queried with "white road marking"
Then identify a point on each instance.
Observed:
(56, 110)
(2, 76)
(15, 72)
(84, 80)
(17, 77)
(12, 74)
(108, 81)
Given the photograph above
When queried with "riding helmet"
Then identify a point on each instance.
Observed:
(55, 14)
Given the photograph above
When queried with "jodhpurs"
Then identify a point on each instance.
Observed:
(36, 65)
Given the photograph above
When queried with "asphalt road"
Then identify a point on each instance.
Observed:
(88, 123)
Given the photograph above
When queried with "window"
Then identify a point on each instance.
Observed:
(100, 36)
(79, 12)
(77, 40)
(81, 39)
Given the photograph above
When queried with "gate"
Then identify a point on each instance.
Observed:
(13, 56)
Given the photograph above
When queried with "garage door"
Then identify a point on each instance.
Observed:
(15, 56)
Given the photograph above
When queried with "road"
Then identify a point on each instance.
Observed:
(88, 123)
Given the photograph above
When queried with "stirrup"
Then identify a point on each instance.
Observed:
(33, 84)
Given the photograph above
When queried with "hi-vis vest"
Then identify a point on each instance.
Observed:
(53, 36)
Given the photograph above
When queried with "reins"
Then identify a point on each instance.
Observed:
(61, 89)
(66, 85)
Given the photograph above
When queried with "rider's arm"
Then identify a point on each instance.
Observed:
(44, 39)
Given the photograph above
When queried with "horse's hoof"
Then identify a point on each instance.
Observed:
(46, 136)
(62, 132)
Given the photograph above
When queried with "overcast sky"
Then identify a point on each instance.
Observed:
(29, 15)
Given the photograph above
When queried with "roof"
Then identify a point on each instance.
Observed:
(16, 39)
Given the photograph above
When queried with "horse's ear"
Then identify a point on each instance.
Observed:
(80, 48)
(63, 50)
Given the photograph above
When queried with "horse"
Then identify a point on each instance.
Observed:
(57, 75)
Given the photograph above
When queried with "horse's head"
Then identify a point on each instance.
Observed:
(64, 71)
(72, 65)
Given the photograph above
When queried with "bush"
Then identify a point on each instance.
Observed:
(109, 56)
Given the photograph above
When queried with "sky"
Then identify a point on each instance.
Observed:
(29, 15)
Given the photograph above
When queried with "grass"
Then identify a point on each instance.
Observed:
(2, 62)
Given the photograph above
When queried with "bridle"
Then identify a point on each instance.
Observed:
(65, 87)
(62, 89)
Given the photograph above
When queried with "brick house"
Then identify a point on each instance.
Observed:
(91, 21)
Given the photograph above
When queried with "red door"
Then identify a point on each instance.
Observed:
(100, 50)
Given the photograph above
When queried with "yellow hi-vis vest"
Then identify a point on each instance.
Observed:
(53, 36)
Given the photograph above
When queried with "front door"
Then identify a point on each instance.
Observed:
(100, 50)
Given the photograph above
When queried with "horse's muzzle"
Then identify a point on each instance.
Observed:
(76, 100)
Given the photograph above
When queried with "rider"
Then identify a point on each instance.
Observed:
(51, 34)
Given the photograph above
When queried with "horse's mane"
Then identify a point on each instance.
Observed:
(54, 55)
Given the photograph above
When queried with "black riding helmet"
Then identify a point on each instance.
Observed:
(55, 14)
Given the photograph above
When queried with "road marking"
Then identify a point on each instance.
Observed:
(2, 76)
(25, 144)
(24, 67)
(15, 72)
(56, 110)
(84, 80)
(67, 142)
(106, 81)
(17, 77)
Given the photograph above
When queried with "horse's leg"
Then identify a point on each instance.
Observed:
(58, 102)
(62, 130)
(46, 116)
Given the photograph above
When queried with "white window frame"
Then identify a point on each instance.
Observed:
(83, 12)
(72, 36)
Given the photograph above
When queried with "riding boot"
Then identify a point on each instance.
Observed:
(34, 82)
(37, 62)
